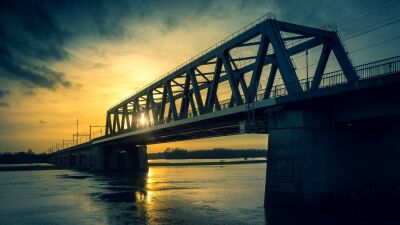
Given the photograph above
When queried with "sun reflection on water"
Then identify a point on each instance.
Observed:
(146, 195)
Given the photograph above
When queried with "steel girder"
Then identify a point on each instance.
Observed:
(192, 89)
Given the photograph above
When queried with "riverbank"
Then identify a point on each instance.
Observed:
(16, 167)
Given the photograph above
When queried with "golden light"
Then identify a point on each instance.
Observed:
(142, 120)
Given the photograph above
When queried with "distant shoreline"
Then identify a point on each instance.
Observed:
(206, 163)
(156, 164)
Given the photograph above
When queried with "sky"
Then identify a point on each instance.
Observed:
(66, 60)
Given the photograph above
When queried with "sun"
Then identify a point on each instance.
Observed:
(142, 120)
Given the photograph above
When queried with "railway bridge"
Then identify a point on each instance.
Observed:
(331, 125)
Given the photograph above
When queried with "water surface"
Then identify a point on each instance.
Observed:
(165, 195)
(229, 194)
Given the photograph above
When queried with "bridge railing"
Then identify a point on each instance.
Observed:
(365, 71)
(382, 67)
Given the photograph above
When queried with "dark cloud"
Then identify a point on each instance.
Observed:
(28, 92)
(30, 38)
(4, 93)
(36, 33)
(109, 16)
(4, 104)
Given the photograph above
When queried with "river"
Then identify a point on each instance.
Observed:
(229, 194)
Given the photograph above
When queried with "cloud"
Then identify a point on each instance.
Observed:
(99, 65)
(4, 104)
(34, 34)
(28, 92)
(42, 122)
(30, 44)
(4, 93)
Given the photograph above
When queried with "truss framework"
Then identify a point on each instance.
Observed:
(196, 88)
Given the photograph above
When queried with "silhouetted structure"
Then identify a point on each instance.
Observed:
(328, 132)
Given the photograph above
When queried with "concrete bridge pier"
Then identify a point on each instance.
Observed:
(310, 156)
(126, 158)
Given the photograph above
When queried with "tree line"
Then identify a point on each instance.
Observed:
(22, 157)
(169, 153)
(216, 153)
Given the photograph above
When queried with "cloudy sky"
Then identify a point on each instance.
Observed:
(63, 60)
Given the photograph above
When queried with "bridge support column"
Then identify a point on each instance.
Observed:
(309, 157)
(124, 158)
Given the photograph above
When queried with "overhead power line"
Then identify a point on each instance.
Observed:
(366, 12)
(376, 44)
(372, 29)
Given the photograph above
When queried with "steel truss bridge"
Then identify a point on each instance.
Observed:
(234, 81)
(332, 126)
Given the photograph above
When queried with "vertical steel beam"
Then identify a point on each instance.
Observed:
(135, 113)
(114, 127)
(162, 106)
(147, 110)
(258, 66)
(117, 122)
(319, 71)
(108, 124)
(123, 118)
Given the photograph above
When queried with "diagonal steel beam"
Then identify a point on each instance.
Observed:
(204, 77)
(286, 67)
(196, 91)
(212, 89)
(342, 58)
(177, 84)
(185, 98)
(258, 66)
(192, 105)
(125, 118)
(171, 101)
(153, 105)
(319, 71)
(270, 82)
(232, 79)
